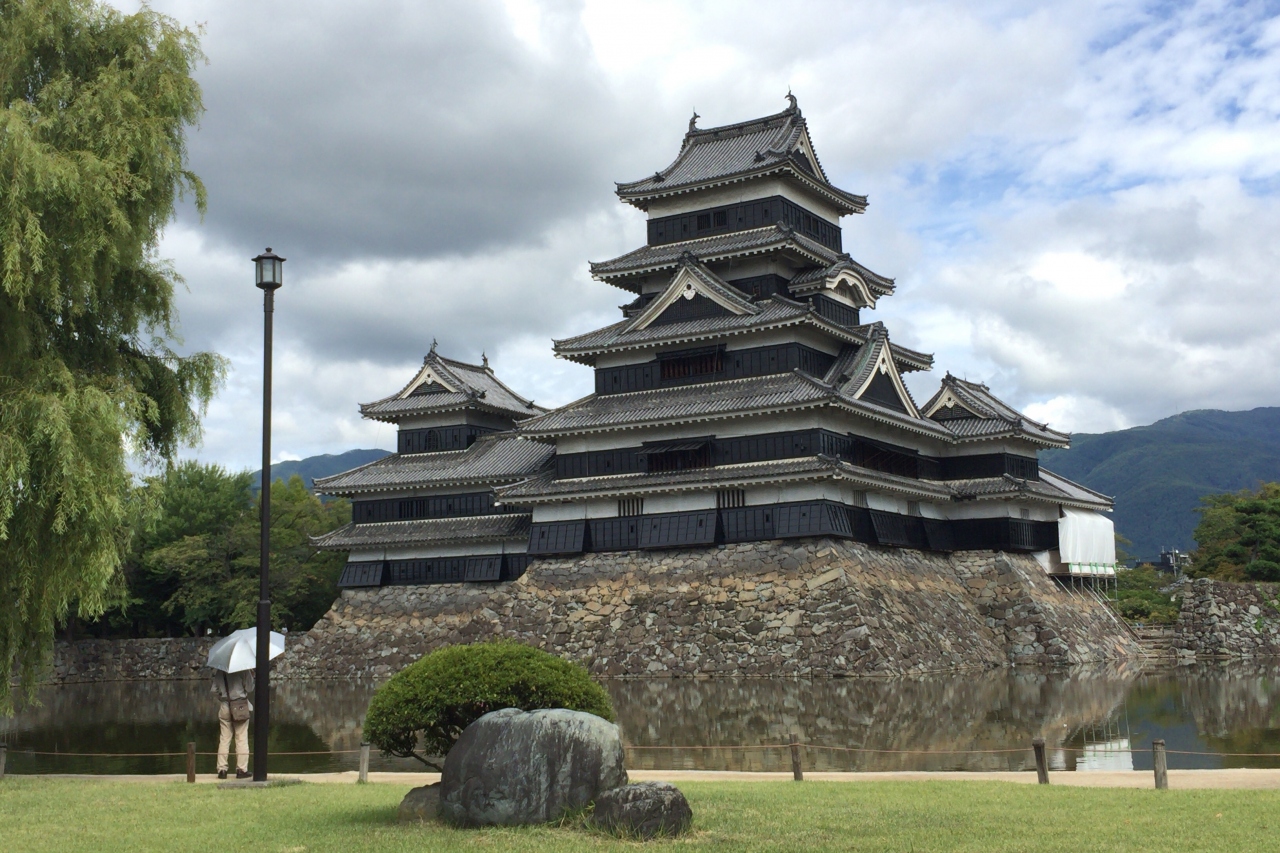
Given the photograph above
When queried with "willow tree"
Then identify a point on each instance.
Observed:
(94, 105)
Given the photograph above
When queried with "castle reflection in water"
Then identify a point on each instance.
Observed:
(1091, 718)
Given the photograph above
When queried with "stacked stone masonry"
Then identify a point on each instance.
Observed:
(800, 608)
(1227, 620)
(817, 607)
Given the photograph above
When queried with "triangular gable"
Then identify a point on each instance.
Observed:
(429, 374)
(805, 146)
(691, 281)
(882, 380)
(946, 406)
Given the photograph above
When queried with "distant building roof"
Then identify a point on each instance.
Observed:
(778, 144)
(492, 459)
(446, 385)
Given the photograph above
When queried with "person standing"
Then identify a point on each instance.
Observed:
(233, 690)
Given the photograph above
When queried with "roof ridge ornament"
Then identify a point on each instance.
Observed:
(794, 105)
(484, 360)
(693, 122)
(434, 344)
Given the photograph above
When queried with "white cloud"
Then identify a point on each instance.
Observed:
(1078, 201)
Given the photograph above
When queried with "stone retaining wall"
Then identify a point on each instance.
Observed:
(817, 607)
(1227, 620)
(805, 607)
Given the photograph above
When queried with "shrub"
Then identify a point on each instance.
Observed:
(435, 698)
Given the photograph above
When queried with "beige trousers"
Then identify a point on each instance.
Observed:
(226, 727)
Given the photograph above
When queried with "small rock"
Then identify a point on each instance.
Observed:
(420, 804)
(643, 810)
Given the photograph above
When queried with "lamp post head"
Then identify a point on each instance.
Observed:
(269, 267)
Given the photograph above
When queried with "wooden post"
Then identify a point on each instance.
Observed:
(1042, 768)
(797, 766)
(1159, 763)
(191, 761)
(4, 756)
(364, 763)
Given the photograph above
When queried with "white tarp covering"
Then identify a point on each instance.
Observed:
(1087, 542)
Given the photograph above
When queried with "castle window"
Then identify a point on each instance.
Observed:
(731, 498)
(704, 221)
(701, 363)
(721, 218)
(631, 506)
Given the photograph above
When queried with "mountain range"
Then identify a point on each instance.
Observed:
(1156, 473)
(324, 465)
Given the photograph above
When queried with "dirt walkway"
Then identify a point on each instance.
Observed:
(1184, 779)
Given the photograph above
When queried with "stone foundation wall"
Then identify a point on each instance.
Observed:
(817, 607)
(804, 607)
(1220, 619)
(130, 660)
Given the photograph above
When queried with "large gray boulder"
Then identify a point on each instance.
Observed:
(643, 810)
(513, 767)
(420, 804)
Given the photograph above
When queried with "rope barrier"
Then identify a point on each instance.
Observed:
(20, 751)
(161, 754)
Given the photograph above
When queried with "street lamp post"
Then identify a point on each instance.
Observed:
(269, 267)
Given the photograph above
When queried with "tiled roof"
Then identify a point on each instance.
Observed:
(733, 245)
(992, 417)
(697, 281)
(686, 401)
(431, 531)
(881, 284)
(546, 487)
(712, 400)
(771, 312)
(735, 151)
(1050, 487)
(492, 459)
(475, 387)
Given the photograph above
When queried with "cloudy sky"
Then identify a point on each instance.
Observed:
(1078, 200)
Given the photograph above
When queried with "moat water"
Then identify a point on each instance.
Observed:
(1099, 717)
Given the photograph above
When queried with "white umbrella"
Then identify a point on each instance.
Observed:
(238, 650)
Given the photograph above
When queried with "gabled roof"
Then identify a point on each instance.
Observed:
(692, 279)
(873, 359)
(478, 529)
(846, 273)
(492, 459)
(445, 385)
(774, 145)
(971, 412)
(737, 244)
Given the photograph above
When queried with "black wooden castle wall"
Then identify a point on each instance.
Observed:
(743, 216)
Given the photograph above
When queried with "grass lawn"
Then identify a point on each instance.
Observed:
(68, 815)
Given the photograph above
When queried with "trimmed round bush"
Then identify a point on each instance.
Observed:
(433, 699)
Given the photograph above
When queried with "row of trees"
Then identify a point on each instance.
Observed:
(193, 563)
(1238, 537)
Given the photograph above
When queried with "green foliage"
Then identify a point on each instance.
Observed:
(195, 564)
(1239, 536)
(438, 696)
(94, 105)
(1142, 596)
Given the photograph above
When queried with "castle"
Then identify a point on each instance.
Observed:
(741, 398)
